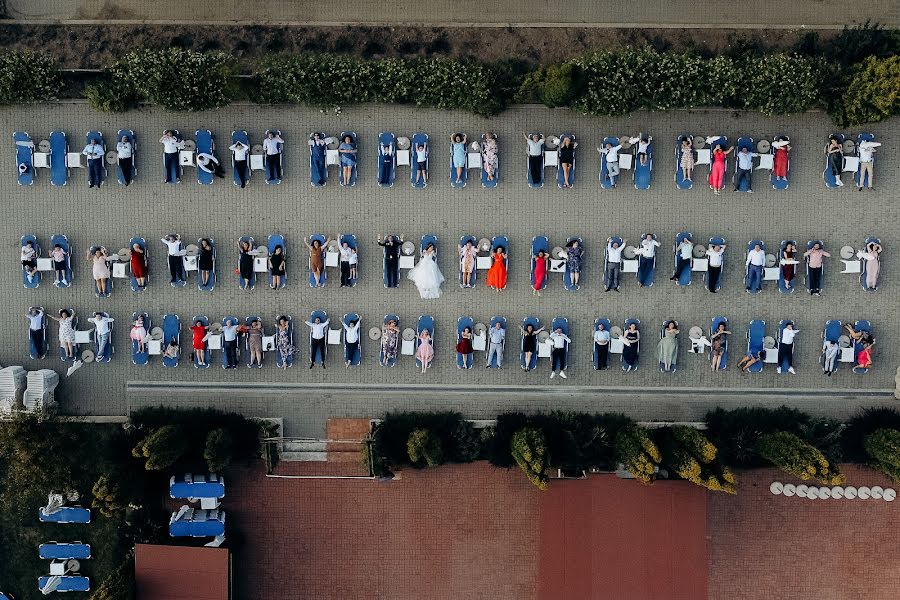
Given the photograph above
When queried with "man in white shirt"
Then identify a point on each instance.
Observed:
(102, 327)
(613, 263)
(866, 163)
(94, 153)
(496, 342)
(318, 329)
(386, 164)
(684, 254)
(535, 157)
(744, 169)
(239, 153)
(560, 342)
(601, 339)
(786, 347)
(422, 163)
(29, 260)
(273, 146)
(351, 341)
(35, 318)
(647, 259)
(756, 260)
(612, 161)
(210, 164)
(171, 146)
(176, 260)
(714, 273)
(125, 155)
(229, 338)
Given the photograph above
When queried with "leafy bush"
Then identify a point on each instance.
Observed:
(162, 447)
(779, 84)
(497, 440)
(118, 585)
(458, 440)
(219, 449)
(865, 422)
(107, 496)
(27, 76)
(111, 93)
(581, 441)
(693, 457)
(177, 79)
(529, 449)
(637, 453)
(855, 44)
(883, 447)
(801, 459)
(736, 432)
(424, 448)
(873, 92)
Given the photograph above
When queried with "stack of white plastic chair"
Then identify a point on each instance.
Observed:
(12, 386)
(39, 393)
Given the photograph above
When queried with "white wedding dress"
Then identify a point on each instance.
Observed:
(427, 277)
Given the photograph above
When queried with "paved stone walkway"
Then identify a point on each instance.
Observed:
(821, 14)
(149, 208)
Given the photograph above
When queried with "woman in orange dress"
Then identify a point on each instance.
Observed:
(496, 275)
(539, 272)
(782, 160)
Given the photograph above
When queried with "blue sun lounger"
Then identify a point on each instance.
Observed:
(632, 366)
(606, 326)
(280, 359)
(863, 181)
(662, 333)
(24, 158)
(832, 333)
(464, 361)
(683, 269)
(782, 282)
(536, 324)
(756, 335)
(745, 184)
(137, 357)
(240, 136)
(393, 360)
(680, 181)
(274, 157)
(643, 172)
(66, 514)
(425, 323)
(827, 175)
(493, 359)
(318, 167)
(320, 358)
(237, 345)
(463, 178)
(560, 176)
(753, 283)
(248, 322)
(783, 363)
(211, 282)
(387, 159)
(563, 324)
(605, 183)
(353, 356)
(535, 185)
(59, 152)
(323, 277)
(419, 139)
(62, 351)
(127, 133)
(539, 243)
(714, 327)
(474, 276)
(567, 274)
(646, 266)
(171, 331)
(76, 550)
(716, 241)
(109, 280)
(68, 583)
(275, 240)
(63, 242)
(780, 184)
(809, 246)
(501, 241)
(143, 245)
(349, 158)
(33, 351)
(486, 181)
(862, 270)
(857, 347)
(252, 242)
(205, 145)
(104, 172)
(35, 280)
(109, 350)
(350, 239)
(206, 351)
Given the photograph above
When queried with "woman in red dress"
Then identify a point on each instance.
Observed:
(464, 347)
(496, 275)
(198, 332)
(540, 272)
(788, 264)
(717, 171)
(139, 265)
(782, 156)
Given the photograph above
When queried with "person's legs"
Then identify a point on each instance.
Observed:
(173, 267)
(241, 167)
(276, 162)
(393, 273)
(815, 279)
(755, 277)
(345, 273)
(865, 168)
(603, 356)
(788, 354)
(616, 270)
(612, 168)
(608, 276)
(714, 273)
(534, 163)
(528, 356)
(102, 341)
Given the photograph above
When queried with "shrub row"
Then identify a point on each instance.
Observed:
(806, 447)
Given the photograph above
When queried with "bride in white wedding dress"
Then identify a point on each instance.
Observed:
(426, 275)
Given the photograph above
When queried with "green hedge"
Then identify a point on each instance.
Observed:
(27, 76)
(390, 442)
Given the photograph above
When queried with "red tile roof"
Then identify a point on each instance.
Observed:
(182, 573)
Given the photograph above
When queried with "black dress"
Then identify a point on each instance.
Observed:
(529, 342)
(567, 154)
(205, 263)
(277, 262)
(246, 265)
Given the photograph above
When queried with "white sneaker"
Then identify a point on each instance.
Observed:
(552, 374)
(792, 371)
(563, 374)
(839, 183)
(778, 370)
(64, 282)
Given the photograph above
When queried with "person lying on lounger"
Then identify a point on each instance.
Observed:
(748, 361)
(210, 164)
(29, 260)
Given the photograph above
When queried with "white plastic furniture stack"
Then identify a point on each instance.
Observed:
(837, 492)
(40, 390)
(12, 387)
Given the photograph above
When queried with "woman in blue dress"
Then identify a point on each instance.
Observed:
(458, 141)
(574, 260)
(347, 150)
